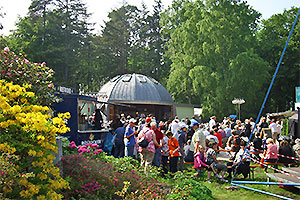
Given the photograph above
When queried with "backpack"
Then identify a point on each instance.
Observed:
(236, 140)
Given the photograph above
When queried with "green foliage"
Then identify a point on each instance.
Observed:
(187, 188)
(211, 49)
(55, 32)
(272, 39)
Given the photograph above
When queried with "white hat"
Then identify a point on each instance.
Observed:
(183, 125)
(132, 120)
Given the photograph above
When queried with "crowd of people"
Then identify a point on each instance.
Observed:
(165, 144)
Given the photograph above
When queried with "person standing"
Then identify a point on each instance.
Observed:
(159, 136)
(147, 153)
(212, 122)
(173, 151)
(198, 137)
(119, 145)
(219, 136)
(175, 125)
(165, 154)
(181, 140)
(129, 136)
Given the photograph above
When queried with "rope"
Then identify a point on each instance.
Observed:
(270, 87)
(292, 158)
(278, 170)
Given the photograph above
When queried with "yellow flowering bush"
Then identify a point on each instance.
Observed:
(28, 132)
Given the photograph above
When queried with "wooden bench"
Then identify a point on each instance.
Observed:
(252, 167)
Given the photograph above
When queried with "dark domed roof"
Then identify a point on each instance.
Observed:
(135, 88)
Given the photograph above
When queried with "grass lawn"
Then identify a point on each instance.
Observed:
(219, 191)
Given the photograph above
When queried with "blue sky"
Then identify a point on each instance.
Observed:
(101, 8)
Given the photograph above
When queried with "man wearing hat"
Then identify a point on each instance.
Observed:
(198, 138)
(129, 138)
(212, 122)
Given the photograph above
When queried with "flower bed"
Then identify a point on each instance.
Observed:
(94, 175)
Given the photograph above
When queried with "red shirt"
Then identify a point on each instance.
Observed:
(158, 135)
(219, 136)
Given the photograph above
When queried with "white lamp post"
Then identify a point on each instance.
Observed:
(238, 102)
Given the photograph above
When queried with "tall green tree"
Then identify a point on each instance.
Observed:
(272, 39)
(211, 49)
(55, 31)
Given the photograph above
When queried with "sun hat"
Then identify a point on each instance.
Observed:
(194, 123)
(132, 120)
(183, 125)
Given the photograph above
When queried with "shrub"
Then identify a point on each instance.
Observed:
(100, 177)
(18, 70)
(30, 131)
(190, 189)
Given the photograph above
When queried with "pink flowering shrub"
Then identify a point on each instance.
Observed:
(93, 177)
(17, 69)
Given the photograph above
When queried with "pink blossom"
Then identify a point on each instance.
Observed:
(26, 61)
(11, 182)
(9, 74)
(3, 72)
(94, 145)
(132, 171)
(43, 64)
(50, 85)
(6, 49)
(89, 144)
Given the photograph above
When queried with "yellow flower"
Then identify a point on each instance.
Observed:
(30, 94)
(42, 176)
(32, 153)
(15, 109)
(41, 197)
(67, 115)
(40, 137)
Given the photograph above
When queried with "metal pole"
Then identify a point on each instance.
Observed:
(265, 183)
(263, 192)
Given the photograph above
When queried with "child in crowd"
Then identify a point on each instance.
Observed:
(173, 151)
(199, 160)
(214, 163)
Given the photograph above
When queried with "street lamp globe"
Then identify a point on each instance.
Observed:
(238, 102)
